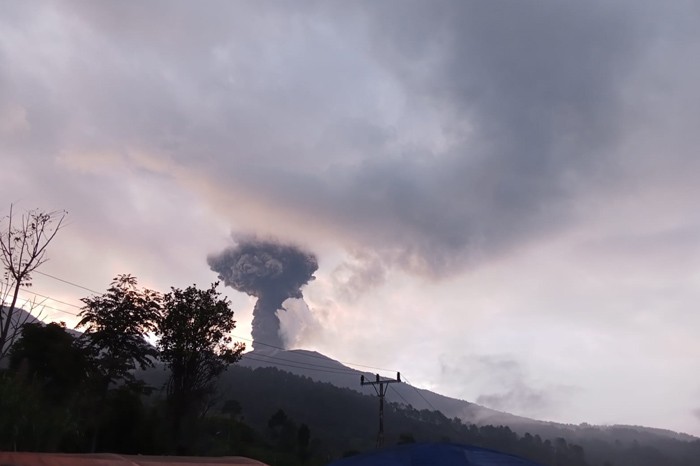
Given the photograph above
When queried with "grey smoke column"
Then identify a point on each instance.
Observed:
(272, 272)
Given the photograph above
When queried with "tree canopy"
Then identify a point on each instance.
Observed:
(117, 324)
(49, 355)
(194, 342)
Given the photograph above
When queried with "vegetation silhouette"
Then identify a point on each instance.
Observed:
(23, 245)
(194, 343)
(111, 390)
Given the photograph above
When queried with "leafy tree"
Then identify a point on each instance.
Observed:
(52, 372)
(283, 431)
(303, 439)
(117, 324)
(23, 244)
(195, 343)
(232, 408)
(126, 426)
(24, 418)
(49, 355)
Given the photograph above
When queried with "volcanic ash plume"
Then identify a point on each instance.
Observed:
(270, 271)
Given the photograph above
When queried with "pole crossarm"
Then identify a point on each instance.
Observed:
(380, 386)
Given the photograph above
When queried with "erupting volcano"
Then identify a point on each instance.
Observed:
(270, 271)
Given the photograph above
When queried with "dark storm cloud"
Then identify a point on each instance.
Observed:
(519, 103)
(527, 94)
(539, 82)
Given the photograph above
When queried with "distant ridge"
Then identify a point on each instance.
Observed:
(321, 368)
(19, 316)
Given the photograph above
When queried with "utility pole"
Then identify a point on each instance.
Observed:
(381, 391)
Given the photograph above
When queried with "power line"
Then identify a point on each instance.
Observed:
(240, 338)
(380, 385)
(49, 297)
(51, 307)
(298, 367)
(235, 336)
(294, 364)
(285, 363)
(67, 282)
(324, 358)
(421, 395)
(322, 368)
(400, 395)
(59, 310)
(348, 371)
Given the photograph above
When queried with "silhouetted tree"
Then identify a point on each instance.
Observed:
(49, 355)
(282, 431)
(232, 408)
(196, 345)
(116, 326)
(23, 419)
(277, 420)
(23, 244)
(125, 424)
(52, 372)
(303, 439)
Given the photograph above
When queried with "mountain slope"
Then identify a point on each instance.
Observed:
(343, 419)
(324, 369)
(326, 396)
(321, 368)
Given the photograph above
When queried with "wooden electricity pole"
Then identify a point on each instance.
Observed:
(381, 391)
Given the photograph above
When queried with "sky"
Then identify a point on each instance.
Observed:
(502, 196)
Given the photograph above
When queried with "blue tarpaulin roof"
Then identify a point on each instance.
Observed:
(434, 454)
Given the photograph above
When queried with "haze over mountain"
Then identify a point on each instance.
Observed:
(321, 368)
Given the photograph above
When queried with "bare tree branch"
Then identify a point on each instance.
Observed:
(23, 245)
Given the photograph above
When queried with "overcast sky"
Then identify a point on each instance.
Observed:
(503, 195)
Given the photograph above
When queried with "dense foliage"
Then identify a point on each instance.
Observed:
(116, 326)
(343, 421)
(64, 392)
(195, 344)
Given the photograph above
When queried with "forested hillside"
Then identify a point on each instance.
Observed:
(343, 421)
(266, 413)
